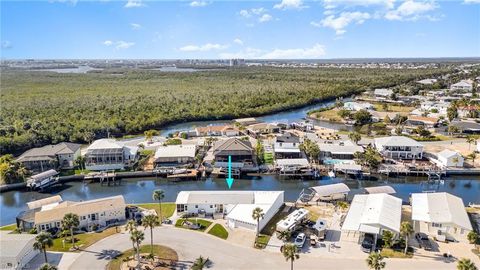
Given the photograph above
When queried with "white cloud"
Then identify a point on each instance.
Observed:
(471, 1)
(265, 18)
(342, 21)
(316, 51)
(411, 10)
(135, 26)
(134, 4)
(330, 4)
(258, 11)
(238, 41)
(245, 13)
(119, 44)
(290, 4)
(6, 44)
(71, 2)
(203, 48)
(199, 3)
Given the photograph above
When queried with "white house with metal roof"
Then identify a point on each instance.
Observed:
(235, 206)
(16, 250)
(462, 85)
(440, 215)
(449, 158)
(399, 147)
(110, 154)
(175, 155)
(373, 213)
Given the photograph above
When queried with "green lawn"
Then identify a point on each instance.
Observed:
(167, 208)
(166, 253)
(83, 240)
(10, 227)
(204, 224)
(329, 115)
(262, 241)
(218, 231)
(393, 108)
(390, 253)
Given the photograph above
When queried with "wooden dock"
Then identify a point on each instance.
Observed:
(102, 177)
(189, 174)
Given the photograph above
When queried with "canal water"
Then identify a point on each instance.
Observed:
(140, 190)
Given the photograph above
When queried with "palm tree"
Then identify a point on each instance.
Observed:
(406, 230)
(158, 195)
(137, 237)
(69, 222)
(149, 134)
(258, 214)
(47, 266)
(354, 137)
(42, 241)
(150, 221)
(466, 264)
(375, 261)
(472, 156)
(343, 205)
(290, 252)
(284, 235)
(387, 238)
(200, 263)
(470, 140)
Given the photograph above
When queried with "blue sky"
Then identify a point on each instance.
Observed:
(244, 29)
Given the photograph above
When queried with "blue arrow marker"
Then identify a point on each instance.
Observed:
(229, 178)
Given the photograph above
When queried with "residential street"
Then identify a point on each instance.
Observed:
(225, 255)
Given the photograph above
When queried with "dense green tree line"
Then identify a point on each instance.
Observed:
(43, 107)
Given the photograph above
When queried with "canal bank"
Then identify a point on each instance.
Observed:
(139, 190)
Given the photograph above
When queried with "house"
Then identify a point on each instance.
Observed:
(357, 106)
(399, 147)
(240, 151)
(17, 250)
(174, 155)
(427, 122)
(58, 156)
(287, 146)
(440, 215)
(373, 214)
(449, 158)
(461, 86)
(468, 111)
(26, 219)
(99, 212)
(223, 130)
(110, 154)
(246, 121)
(427, 81)
(439, 108)
(262, 128)
(234, 206)
(383, 93)
(338, 151)
(466, 127)
(325, 193)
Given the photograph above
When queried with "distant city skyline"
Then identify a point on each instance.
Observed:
(282, 29)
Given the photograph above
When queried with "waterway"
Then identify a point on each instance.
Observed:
(140, 190)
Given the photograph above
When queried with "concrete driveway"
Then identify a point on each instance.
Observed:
(225, 255)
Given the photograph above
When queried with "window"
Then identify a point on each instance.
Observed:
(211, 206)
(43, 227)
(436, 225)
(196, 206)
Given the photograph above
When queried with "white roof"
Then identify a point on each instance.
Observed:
(383, 92)
(12, 245)
(175, 151)
(440, 207)
(380, 189)
(447, 153)
(287, 149)
(328, 190)
(292, 162)
(372, 212)
(226, 197)
(105, 144)
(462, 84)
(46, 201)
(349, 167)
(340, 149)
(396, 141)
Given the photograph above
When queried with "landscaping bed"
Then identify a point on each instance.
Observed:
(203, 224)
(167, 208)
(164, 255)
(392, 253)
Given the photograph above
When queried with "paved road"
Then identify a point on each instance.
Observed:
(225, 255)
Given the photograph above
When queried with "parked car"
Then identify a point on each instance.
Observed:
(300, 240)
(367, 243)
(423, 241)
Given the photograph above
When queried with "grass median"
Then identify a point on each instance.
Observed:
(218, 231)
